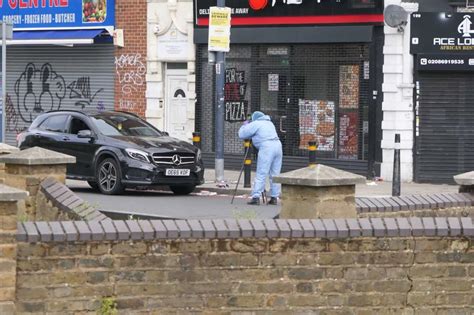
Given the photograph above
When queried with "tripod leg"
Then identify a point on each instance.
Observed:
(237, 185)
(240, 175)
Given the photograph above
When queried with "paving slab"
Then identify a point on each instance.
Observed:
(369, 204)
(404, 226)
(272, 229)
(259, 228)
(418, 204)
(354, 227)
(408, 202)
(392, 228)
(308, 228)
(447, 202)
(395, 206)
(331, 229)
(197, 231)
(319, 227)
(380, 206)
(454, 202)
(387, 207)
(424, 203)
(209, 229)
(403, 205)
(296, 229)
(442, 228)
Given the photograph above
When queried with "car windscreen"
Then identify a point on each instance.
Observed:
(124, 125)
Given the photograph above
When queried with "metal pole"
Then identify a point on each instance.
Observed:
(396, 167)
(312, 147)
(248, 164)
(220, 110)
(4, 78)
(197, 139)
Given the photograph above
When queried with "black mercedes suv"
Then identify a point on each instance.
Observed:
(116, 150)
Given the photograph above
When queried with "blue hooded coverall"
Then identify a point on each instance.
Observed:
(265, 138)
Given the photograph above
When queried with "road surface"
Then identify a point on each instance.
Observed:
(164, 204)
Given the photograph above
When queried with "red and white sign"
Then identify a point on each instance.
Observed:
(295, 12)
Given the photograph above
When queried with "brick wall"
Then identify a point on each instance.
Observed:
(264, 267)
(130, 61)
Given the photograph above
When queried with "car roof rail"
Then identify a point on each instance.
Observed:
(90, 111)
(125, 112)
(66, 110)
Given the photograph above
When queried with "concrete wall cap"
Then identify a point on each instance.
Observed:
(8, 193)
(7, 149)
(260, 229)
(413, 202)
(318, 176)
(37, 156)
(464, 178)
(67, 201)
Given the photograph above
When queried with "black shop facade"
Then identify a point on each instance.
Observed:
(315, 68)
(442, 44)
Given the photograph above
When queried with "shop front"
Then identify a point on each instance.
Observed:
(311, 66)
(444, 98)
(61, 57)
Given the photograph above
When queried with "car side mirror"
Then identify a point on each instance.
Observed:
(84, 134)
(165, 133)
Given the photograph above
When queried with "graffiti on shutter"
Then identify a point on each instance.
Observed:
(40, 89)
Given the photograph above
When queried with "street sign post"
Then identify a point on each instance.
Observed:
(219, 42)
(7, 34)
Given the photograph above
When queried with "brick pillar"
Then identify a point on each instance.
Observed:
(318, 192)
(26, 169)
(9, 200)
(4, 150)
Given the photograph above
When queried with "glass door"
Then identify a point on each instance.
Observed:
(273, 98)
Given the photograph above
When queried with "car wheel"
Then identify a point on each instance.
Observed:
(93, 185)
(109, 177)
(182, 190)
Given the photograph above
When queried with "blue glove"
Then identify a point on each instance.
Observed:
(246, 122)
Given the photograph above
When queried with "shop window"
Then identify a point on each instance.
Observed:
(311, 91)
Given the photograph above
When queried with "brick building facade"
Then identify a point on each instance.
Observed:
(130, 60)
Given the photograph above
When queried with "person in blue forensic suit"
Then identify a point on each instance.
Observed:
(264, 137)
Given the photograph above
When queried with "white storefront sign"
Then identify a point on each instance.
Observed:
(273, 82)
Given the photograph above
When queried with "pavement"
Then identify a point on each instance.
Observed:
(369, 189)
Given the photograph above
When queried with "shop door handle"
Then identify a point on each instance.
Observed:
(281, 124)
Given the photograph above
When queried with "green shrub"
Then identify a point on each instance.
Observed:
(108, 306)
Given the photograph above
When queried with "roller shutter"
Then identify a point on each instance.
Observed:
(43, 78)
(445, 141)
(279, 80)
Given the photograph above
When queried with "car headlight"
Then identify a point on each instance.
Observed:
(198, 155)
(138, 155)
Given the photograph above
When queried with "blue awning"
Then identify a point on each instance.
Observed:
(59, 36)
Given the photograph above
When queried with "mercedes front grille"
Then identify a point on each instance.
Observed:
(173, 158)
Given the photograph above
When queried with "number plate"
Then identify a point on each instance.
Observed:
(177, 172)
